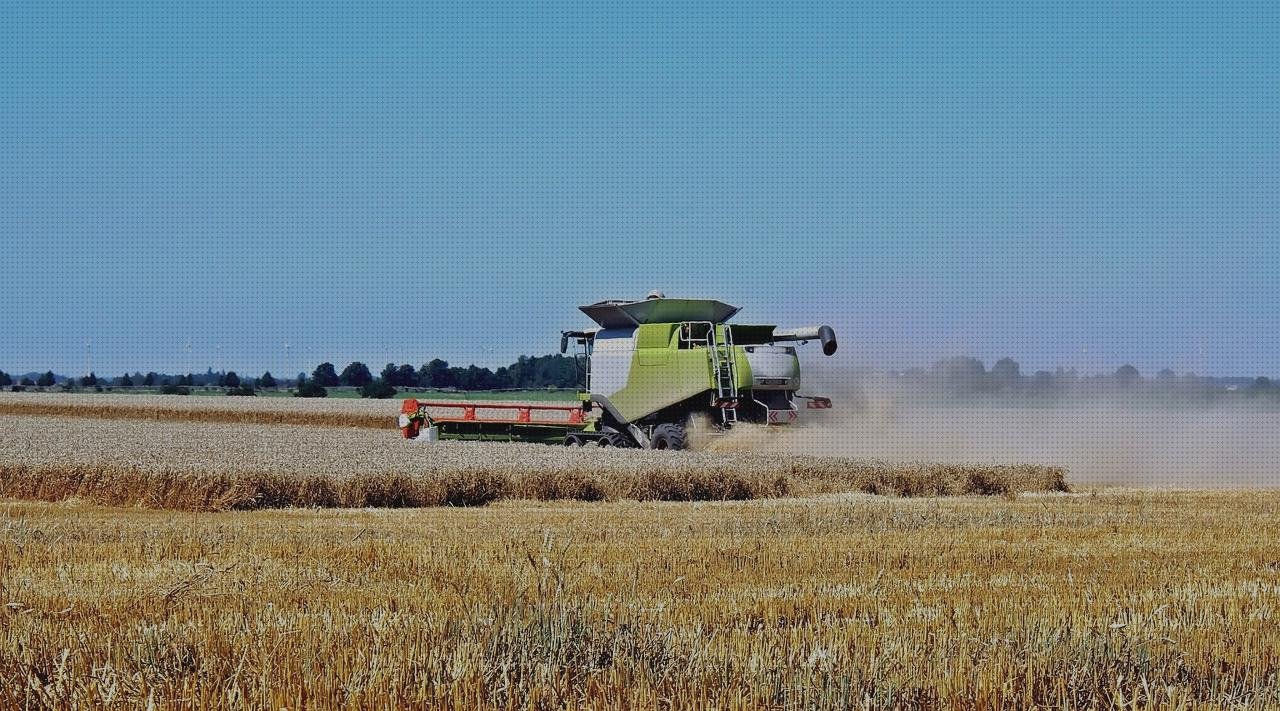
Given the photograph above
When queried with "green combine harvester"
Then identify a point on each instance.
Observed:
(651, 366)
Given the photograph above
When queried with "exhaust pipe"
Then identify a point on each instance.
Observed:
(824, 334)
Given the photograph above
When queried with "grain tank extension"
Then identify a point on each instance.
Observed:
(653, 365)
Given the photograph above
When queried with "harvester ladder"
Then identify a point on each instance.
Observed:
(725, 363)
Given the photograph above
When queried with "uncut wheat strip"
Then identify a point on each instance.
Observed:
(342, 455)
(300, 449)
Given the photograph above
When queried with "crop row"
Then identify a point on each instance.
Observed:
(237, 466)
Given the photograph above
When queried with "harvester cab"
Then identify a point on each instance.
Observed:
(651, 366)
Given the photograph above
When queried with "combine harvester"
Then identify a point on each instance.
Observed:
(651, 366)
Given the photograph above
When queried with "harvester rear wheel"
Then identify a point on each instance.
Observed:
(669, 436)
(573, 441)
(613, 439)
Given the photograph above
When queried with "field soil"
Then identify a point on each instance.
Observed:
(1119, 599)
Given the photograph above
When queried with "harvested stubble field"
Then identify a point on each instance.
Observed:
(185, 465)
(1114, 600)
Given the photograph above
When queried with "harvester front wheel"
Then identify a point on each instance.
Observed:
(669, 436)
(573, 441)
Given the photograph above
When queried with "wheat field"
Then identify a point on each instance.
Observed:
(1111, 600)
(132, 575)
(373, 414)
(215, 466)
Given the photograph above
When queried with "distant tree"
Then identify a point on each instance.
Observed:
(175, 390)
(1066, 378)
(960, 375)
(541, 371)
(406, 376)
(5, 379)
(1127, 375)
(1005, 374)
(501, 378)
(357, 375)
(377, 389)
(434, 374)
(1042, 383)
(464, 378)
(187, 380)
(475, 378)
(325, 376)
(89, 380)
(46, 380)
(267, 380)
(150, 380)
(1166, 376)
(310, 388)
(126, 381)
(231, 380)
(27, 382)
(467, 378)
(242, 391)
(389, 373)
(1263, 386)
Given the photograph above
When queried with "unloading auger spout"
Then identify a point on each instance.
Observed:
(824, 334)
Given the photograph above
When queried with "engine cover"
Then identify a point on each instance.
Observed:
(773, 367)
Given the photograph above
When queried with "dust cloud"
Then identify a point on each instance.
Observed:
(1103, 442)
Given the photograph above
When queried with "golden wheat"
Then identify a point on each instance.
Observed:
(1120, 600)
(371, 414)
(222, 466)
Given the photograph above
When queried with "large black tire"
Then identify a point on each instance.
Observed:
(614, 439)
(669, 436)
(573, 441)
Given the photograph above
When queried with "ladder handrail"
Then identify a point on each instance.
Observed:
(726, 366)
(722, 357)
(730, 361)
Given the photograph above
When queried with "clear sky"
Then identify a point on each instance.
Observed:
(1068, 183)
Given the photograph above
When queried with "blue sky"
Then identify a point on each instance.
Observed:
(1069, 183)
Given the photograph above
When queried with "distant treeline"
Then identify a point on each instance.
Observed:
(527, 373)
(958, 379)
(967, 379)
